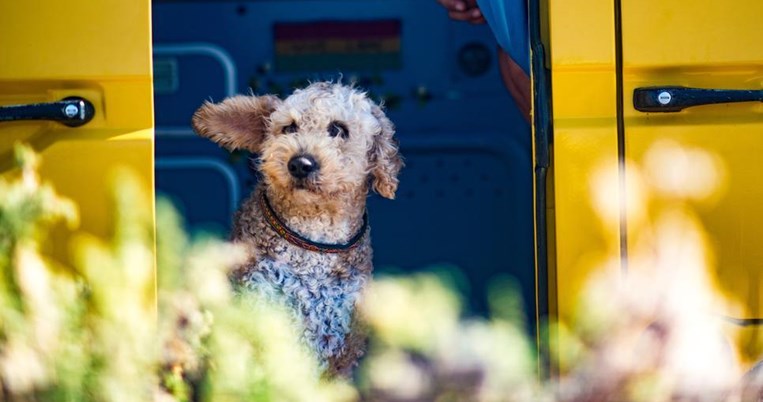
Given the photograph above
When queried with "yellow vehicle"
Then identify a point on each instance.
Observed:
(76, 84)
(619, 79)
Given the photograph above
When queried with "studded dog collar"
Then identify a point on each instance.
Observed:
(300, 241)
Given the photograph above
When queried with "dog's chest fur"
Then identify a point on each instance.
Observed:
(321, 288)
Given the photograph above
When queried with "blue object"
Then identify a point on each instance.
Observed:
(508, 21)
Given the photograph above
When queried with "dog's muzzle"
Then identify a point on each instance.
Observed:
(301, 166)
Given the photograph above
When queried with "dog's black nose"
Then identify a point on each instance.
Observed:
(301, 166)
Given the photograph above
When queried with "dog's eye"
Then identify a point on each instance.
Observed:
(338, 129)
(291, 128)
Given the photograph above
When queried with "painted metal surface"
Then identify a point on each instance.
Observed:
(584, 141)
(710, 45)
(602, 52)
(100, 51)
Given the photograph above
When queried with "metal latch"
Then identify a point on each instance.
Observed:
(676, 98)
(72, 111)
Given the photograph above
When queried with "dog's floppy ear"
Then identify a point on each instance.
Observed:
(238, 122)
(384, 156)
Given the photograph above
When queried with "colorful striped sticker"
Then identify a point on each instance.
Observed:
(337, 45)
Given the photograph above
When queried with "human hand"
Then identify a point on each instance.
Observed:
(463, 10)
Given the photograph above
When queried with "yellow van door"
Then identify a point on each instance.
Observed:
(581, 43)
(692, 77)
(644, 92)
(75, 84)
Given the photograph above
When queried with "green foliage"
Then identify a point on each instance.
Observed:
(111, 327)
(81, 332)
(421, 350)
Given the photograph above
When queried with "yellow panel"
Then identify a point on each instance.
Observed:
(704, 44)
(583, 240)
(100, 50)
(733, 217)
(708, 44)
(749, 341)
(582, 33)
(69, 40)
(585, 141)
(673, 34)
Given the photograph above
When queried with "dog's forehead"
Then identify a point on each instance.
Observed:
(325, 98)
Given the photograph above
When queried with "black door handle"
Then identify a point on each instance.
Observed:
(675, 99)
(73, 111)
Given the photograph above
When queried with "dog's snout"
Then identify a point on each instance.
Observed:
(300, 166)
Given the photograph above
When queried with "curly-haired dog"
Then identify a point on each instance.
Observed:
(321, 150)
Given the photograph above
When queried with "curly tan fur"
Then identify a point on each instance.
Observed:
(327, 206)
(238, 122)
(384, 154)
